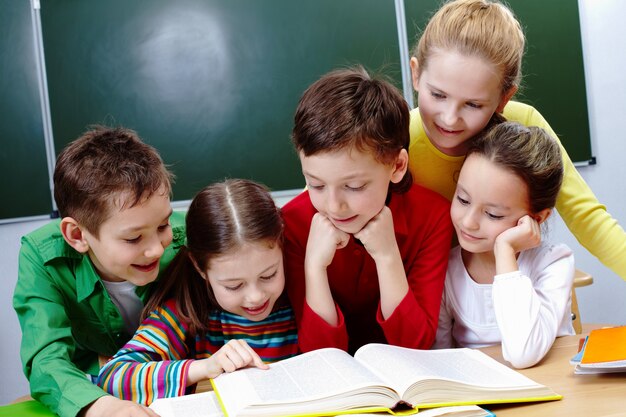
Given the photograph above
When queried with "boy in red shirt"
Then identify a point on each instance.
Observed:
(366, 250)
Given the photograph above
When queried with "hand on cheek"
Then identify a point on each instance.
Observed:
(324, 240)
(378, 235)
(525, 235)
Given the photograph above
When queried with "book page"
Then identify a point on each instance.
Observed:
(193, 405)
(318, 374)
(402, 367)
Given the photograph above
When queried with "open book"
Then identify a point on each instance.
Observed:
(206, 405)
(378, 378)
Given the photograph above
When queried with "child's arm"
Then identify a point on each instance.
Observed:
(379, 240)
(424, 247)
(324, 240)
(581, 211)
(47, 341)
(531, 308)
(154, 363)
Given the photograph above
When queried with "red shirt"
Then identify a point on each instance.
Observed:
(423, 231)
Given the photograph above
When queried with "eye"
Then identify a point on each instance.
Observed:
(462, 200)
(164, 227)
(474, 105)
(133, 240)
(355, 188)
(315, 187)
(269, 277)
(493, 216)
(233, 288)
(437, 95)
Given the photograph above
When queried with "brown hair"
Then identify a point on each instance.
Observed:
(348, 109)
(93, 172)
(221, 218)
(480, 28)
(531, 153)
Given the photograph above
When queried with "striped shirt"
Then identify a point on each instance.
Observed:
(154, 363)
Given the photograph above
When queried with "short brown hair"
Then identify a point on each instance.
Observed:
(222, 217)
(93, 172)
(348, 109)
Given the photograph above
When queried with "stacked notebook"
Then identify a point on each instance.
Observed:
(603, 351)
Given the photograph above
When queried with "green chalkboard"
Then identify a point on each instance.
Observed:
(212, 84)
(23, 168)
(553, 73)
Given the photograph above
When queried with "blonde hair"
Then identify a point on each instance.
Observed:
(485, 29)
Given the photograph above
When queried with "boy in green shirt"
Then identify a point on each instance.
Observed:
(83, 279)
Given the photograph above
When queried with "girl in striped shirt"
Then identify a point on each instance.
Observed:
(219, 306)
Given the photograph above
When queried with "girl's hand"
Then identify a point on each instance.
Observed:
(324, 240)
(525, 235)
(233, 355)
(378, 236)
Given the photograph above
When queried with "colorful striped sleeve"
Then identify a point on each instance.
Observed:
(153, 364)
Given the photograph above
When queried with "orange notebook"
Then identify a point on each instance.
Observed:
(604, 352)
(605, 345)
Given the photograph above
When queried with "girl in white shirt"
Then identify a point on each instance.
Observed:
(503, 284)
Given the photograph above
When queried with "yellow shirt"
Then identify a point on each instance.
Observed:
(579, 208)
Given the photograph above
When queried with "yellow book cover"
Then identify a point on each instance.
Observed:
(379, 378)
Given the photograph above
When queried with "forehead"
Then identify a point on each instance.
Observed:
(463, 75)
(245, 261)
(121, 214)
(339, 162)
(491, 183)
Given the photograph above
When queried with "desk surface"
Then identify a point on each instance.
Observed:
(583, 395)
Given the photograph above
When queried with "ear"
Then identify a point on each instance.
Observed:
(74, 235)
(542, 215)
(197, 268)
(505, 99)
(415, 76)
(400, 166)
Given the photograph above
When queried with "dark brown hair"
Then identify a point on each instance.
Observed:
(93, 172)
(348, 109)
(221, 218)
(531, 153)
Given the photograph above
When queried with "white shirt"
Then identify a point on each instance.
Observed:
(524, 310)
(128, 303)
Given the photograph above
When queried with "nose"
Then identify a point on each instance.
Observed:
(450, 115)
(155, 248)
(255, 294)
(334, 202)
(470, 220)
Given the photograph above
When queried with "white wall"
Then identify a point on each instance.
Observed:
(603, 34)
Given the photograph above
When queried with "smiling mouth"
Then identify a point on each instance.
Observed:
(447, 131)
(467, 236)
(147, 268)
(254, 311)
(346, 220)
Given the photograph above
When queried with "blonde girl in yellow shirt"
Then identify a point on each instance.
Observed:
(465, 68)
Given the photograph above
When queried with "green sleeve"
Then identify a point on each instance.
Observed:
(47, 342)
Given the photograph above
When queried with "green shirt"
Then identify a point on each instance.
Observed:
(68, 318)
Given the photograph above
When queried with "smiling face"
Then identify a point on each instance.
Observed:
(488, 200)
(458, 95)
(349, 186)
(248, 280)
(132, 240)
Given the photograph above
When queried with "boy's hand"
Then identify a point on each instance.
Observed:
(109, 406)
(324, 240)
(378, 236)
(233, 355)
